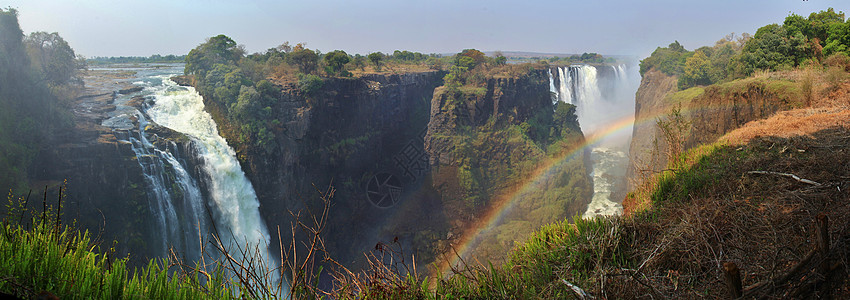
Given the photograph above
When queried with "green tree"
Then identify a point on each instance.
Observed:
(54, 58)
(247, 104)
(359, 61)
(669, 60)
(219, 49)
(305, 59)
(838, 40)
(377, 59)
(696, 71)
(820, 22)
(477, 57)
(336, 61)
(770, 48)
(721, 61)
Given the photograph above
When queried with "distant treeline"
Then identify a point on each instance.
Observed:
(156, 58)
(586, 58)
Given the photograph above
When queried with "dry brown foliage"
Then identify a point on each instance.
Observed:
(791, 123)
(764, 224)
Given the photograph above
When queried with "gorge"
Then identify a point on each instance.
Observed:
(191, 184)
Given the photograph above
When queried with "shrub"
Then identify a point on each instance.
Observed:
(309, 83)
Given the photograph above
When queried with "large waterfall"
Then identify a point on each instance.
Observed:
(234, 204)
(180, 200)
(604, 97)
(161, 169)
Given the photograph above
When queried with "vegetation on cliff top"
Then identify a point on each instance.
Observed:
(773, 47)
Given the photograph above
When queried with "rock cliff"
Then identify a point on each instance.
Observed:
(645, 153)
(373, 139)
(706, 113)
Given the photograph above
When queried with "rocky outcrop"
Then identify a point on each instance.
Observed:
(372, 139)
(486, 144)
(184, 80)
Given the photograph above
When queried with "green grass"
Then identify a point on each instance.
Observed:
(560, 251)
(66, 263)
(685, 97)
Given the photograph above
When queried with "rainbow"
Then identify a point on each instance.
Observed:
(504, 204)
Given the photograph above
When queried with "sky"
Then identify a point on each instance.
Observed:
(613, 27)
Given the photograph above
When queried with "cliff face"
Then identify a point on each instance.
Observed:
(645, 154)
(486, 144)
(379, 140)
(723, 108)
(706, 114)
(346, 134)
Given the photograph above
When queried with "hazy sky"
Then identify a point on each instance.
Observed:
(142, 28)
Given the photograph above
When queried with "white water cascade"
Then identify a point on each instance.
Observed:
(181, 201)
(160, 169)
(603, 99)
(234, 204)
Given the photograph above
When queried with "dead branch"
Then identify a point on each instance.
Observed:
(789, 175)
(581, 294)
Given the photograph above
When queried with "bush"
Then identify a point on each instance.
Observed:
(839, 60)
(309, 83)
(670, 60)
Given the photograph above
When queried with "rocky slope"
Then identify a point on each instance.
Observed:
(488, 145)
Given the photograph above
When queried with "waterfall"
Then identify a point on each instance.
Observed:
(234, 204)
(160, 169)
(181, 201)
(601, 99)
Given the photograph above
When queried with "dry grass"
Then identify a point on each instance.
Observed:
(790, 123)
(762, 223)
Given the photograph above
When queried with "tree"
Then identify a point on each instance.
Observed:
(772, 46)
(359, 61)
(376, 59)
(501, 60)
(477, 57)
(669, 60)
(821, 21)
(336, 61)
(696, 71)
(305, 59)
(721, 59)
(13, 59)
(838, 40)
(285, 47)
(53, 57)
(219, 49)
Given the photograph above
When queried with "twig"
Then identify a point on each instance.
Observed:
(792, 176)
(579, 292)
